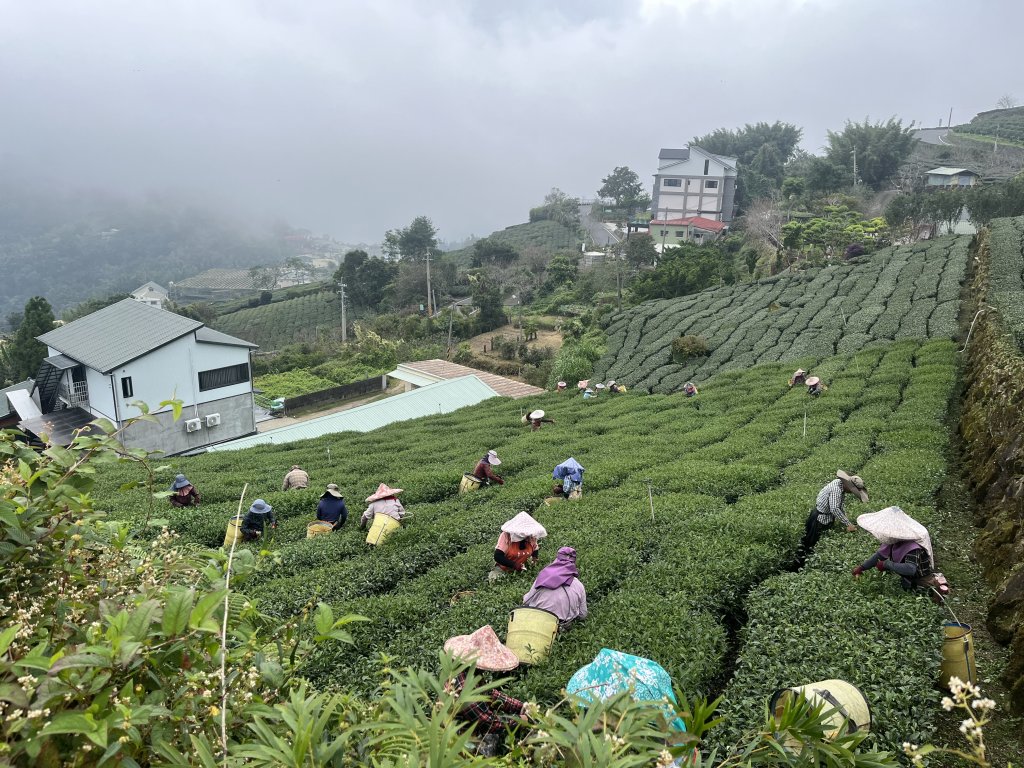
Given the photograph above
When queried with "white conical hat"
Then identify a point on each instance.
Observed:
(892, 524)
(523, 524)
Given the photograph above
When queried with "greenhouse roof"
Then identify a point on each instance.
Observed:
(441, 397)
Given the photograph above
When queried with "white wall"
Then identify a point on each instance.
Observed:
(209, 356)
(101, 397)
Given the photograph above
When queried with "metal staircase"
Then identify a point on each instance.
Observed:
(51, 371)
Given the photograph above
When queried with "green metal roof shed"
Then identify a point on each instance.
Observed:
(441, 397)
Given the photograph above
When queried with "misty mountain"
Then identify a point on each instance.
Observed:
(69, 248)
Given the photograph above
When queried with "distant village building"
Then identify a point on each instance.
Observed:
(150, 293)
(215, 285)
(694, 229)
(98, 365)
(947, 178)
(692, 182)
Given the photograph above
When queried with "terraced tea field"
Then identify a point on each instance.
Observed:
(733, 480)
(1006, 274)
(904, 292)
(305, 318)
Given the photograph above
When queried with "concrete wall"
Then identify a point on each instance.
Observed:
(101, 394)
(171, 437)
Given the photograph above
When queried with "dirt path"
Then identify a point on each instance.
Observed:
(287, 421)
(481, 344)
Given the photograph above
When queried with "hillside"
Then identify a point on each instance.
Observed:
(1005, 124)
(547, 237)
(904, 292)
(272, 326)
(742, 483)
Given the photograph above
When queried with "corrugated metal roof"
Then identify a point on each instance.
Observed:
(667, 153)
(115, 335)
(5, 408)
(944, 171)
(440, 397)
(416, 379)
(219, 279)
(442, 369)
(210, 336)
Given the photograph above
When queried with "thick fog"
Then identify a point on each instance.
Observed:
(353, 117)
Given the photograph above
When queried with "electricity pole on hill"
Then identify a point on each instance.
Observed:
(344, 324)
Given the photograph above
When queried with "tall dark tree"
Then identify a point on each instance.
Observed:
(761, 151)
(25, 352)
(880, 149)
(489, 252)
(412, 243)
(623, 185)
(640, 250)
(367, 280)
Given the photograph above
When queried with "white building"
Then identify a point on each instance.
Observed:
(99, 365)
(150, 293)
(693, 182)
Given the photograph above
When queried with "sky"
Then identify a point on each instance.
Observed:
(351, 118)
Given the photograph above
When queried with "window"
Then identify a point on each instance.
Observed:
(707, 164)
(709, 184)
(223, 377)
(673, 182)
(680, 233)
(126, 386)
(664, 232)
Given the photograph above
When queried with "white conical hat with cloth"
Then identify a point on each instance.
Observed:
(892, 524)
(524, 525)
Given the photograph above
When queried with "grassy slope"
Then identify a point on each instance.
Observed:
(285, 322)
(548, 236)
(898, 293)
(1002, 123)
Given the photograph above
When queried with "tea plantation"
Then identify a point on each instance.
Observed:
(275, 325)
(734, 473)
(903, 292)
(1006, 274)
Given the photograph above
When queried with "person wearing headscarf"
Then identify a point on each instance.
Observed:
(558, 590)
(518, 544)
(690, 389)
(331, 507)
(296, 478)
(614, 388)
(484, 469)
(183, 493)
(383, 502)
(829, 507)
(906, 546)
(569, 475)
(588, 393)
(259, 517)
(535, 419)
(799, 377)
(489, 718)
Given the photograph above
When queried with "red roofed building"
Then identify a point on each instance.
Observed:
(667, 233)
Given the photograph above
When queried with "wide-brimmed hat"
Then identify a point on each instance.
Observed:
(484, 649)
(562, 385)
(799, 372)
(333, 490)
(588, 391)
(812, 381)
(538, 414)
(892, 524)
(180, 481)
(582, 384)
(611, 382)
(524, 525)
(854, 484)
(599, 386)
(492, 458)
(383, 491)
(260, 507)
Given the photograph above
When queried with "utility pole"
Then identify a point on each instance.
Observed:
(344, 323)
(451, 320)
(949, 123)
(855, 166)
(429, 313)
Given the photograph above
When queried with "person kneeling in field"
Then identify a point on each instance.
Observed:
(296, 478)
(331, 507)
(491, 717)
(259, 517)
(483, 471)
(183, 493)
(799, 377)
(828, 507)
(558, 590)
(383, 502)
(906, 549)
(690, 389)
(517, 544)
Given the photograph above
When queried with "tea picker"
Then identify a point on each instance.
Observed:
(799, 377)
(256, 521)
(518, 544)
(558, 590)
(384, 515)
(569, 477)
(482, 474)
(183, 493)
(828, 507)
(331, 512)
(535, 419)
(906, 550)
(296, 478)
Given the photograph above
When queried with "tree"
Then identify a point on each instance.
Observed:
(367, 280)
(489, 252)
(624, 186)
(880, 149)
(761, 150)
(561, 271)
(558, 207)
(640, 251)
(488, 300)
(1006, 101)
(301, 269)
(416, 242)
(24, 353)
(264, 277)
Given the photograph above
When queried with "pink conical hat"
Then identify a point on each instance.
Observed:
(383, 491)
(484, 649)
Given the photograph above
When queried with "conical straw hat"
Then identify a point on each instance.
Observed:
(484, 649)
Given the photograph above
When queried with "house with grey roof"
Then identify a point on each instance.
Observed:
(150, 293)
(692, 182)
(101, 365)
(947, 178)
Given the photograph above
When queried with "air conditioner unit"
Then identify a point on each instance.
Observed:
(213, 419)
(193, 425)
